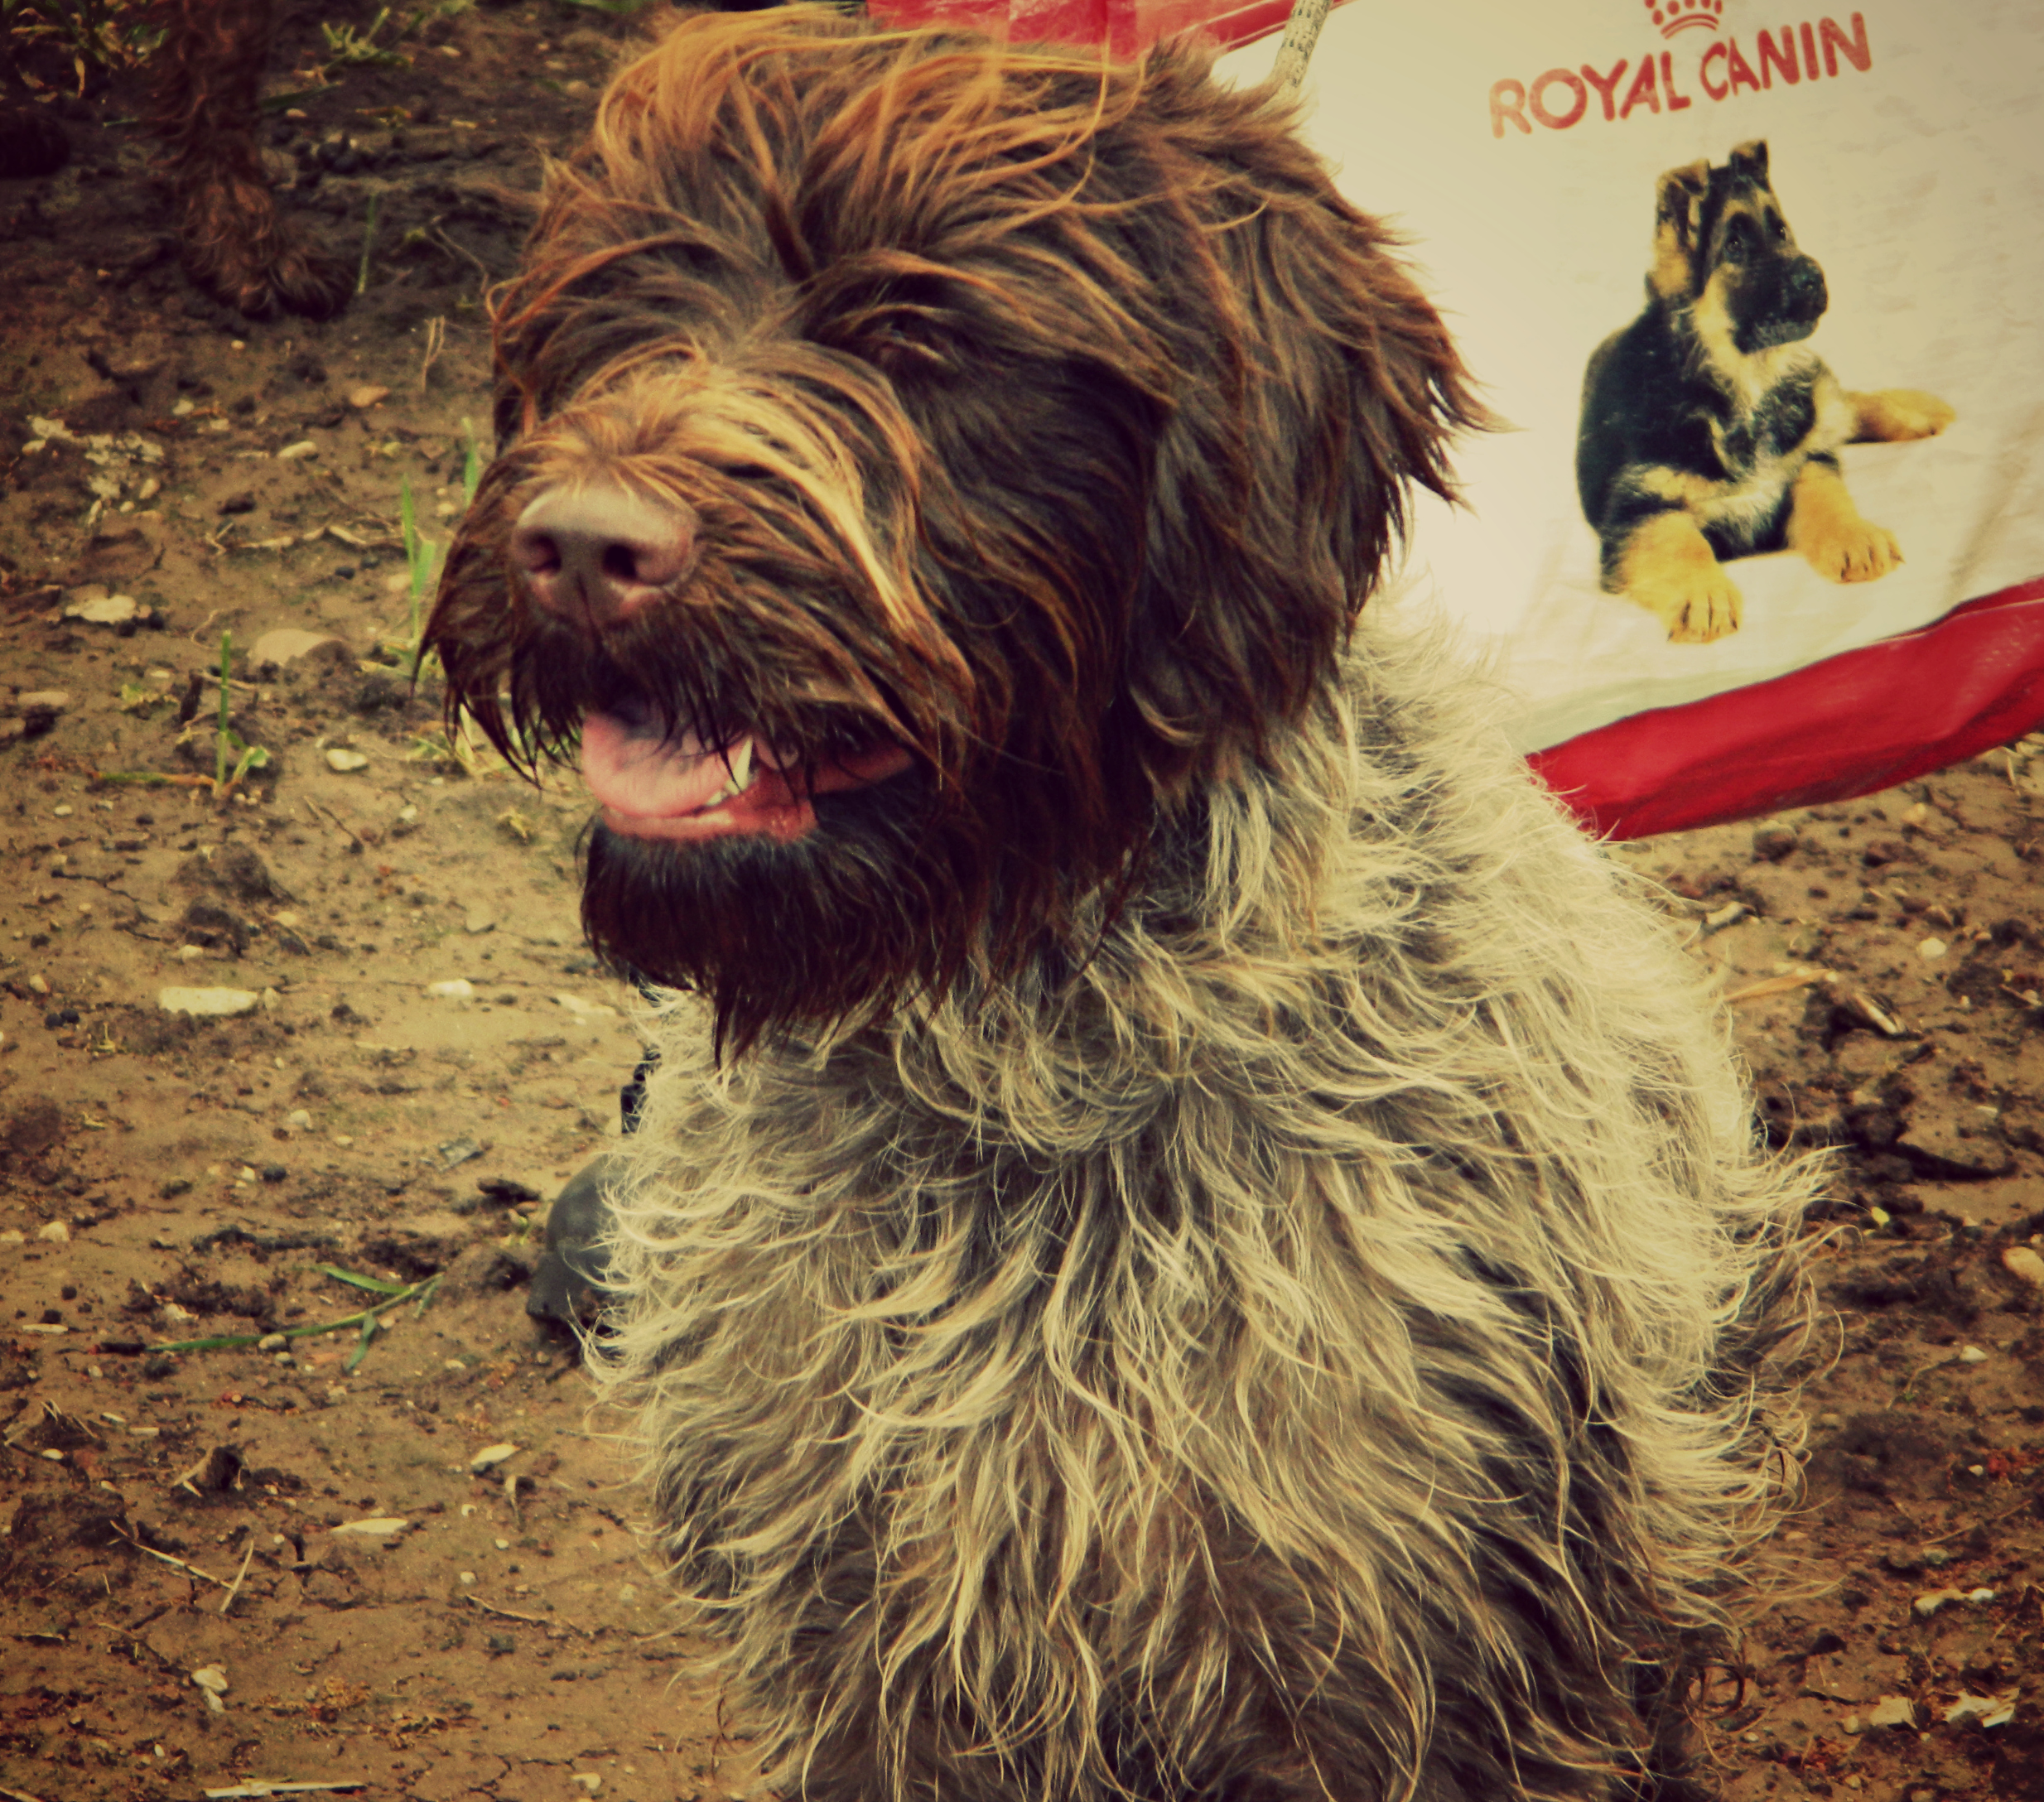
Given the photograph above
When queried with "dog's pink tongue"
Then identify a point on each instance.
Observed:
(631, 768)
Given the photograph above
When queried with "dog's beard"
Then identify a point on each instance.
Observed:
(1768, 333)
(842, 921)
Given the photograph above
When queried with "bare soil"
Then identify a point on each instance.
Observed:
(165, 1178)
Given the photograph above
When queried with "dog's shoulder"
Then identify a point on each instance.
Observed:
(1644, 401)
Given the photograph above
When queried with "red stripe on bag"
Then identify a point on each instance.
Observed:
(1854, 723)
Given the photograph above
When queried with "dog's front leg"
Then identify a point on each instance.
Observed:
(1667, 565)
(1826, 527)
(205, 108)
(1895, 414)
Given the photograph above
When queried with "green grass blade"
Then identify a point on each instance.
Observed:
(221, 753)
(361, 1345)
(378, 1285)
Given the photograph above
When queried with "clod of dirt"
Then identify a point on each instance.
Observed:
(413, 1255)
(1871, 1451)
(485, 1271)
(47, 1522)
(377, 693)
(239, 870)
(215, 1474)
(35, 1125)
(215, 928)
(48, 1428)
(1944, 1150)
(207, 1295)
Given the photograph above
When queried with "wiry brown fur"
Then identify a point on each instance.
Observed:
(1317, 1351)
(1230, 1260)
(924, 338)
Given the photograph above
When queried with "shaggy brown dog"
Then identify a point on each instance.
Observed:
(1222, 1256)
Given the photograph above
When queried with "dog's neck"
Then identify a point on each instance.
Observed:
(1747, 378)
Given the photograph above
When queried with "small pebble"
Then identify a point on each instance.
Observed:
(208, 1002)
(345, 762)
(1972, 1354)
(2024, 1264)
(1931, 949)
(106, 610)
(287, 644)
(57, 1233)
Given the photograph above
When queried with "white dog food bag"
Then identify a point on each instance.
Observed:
(1519, 149)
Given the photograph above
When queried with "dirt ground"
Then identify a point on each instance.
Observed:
(201, 1584)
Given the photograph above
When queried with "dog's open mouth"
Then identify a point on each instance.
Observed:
(651, 785)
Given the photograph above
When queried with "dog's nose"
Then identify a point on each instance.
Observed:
(1807, 296)
(598, 554)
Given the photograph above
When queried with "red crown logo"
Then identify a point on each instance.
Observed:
(1673, 16)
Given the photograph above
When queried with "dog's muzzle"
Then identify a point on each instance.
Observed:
(594, 554)
(1796, 299)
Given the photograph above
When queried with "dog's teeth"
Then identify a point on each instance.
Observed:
(738, 773)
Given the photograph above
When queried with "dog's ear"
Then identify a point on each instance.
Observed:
(1678, 195)
(1679, 199)
(1750, 159)
(1314, 387)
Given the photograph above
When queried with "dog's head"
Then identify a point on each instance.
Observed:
(925, 466)
(1723, 247)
